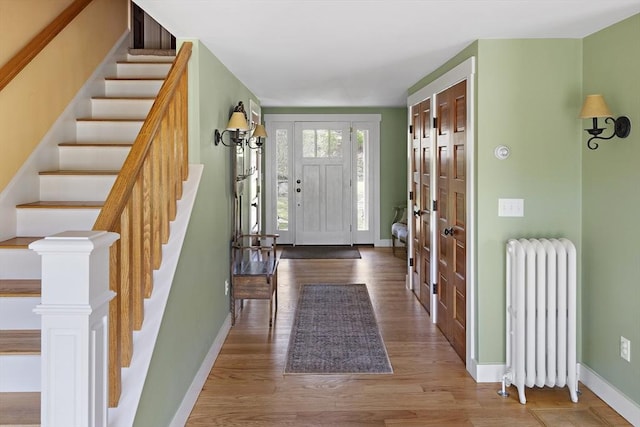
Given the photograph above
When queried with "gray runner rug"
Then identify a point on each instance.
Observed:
(335, 332)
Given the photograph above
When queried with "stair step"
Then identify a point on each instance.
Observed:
(147, 69)
(20, 341)
(97, 156)
(17, 288)
(70, 172)
(18, 242)
(107, 130)
(120, 107)
(62, 205)
(95, 144)
(76, 185)
(17, 261)
(129, 87)
(20, 409)
(49, 217)
(153, 55)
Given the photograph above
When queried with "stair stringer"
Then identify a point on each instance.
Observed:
(144, 341)
(24, 187)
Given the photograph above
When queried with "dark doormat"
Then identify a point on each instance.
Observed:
(335, 332)
(320, 252)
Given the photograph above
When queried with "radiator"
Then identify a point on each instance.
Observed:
(541, 315)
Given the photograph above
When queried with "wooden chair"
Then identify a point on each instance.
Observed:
(254, 271)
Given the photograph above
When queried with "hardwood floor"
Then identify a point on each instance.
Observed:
(429, 385)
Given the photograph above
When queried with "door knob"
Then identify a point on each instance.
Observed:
(448, 231)
(298, 181)
(298, 190)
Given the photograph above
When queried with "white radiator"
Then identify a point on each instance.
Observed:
(541, 315)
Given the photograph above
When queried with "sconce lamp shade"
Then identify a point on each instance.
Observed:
(594, 106)
(237, 121)
(260, 132)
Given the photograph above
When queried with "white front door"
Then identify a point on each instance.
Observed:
(322, 182)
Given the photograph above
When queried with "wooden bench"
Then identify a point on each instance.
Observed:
(254, 271)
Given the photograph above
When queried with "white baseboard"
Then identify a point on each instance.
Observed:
(490, 373)
(611, 395)
(189, 400)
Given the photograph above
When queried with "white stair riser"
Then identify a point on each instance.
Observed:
(120, 108)
(17, 313)
(92, 158)
(19, 373)
(19, 264)
(132, 88)
(75, 187)
(45, 222)
(142, 69)
(150, 58)
(107, 131)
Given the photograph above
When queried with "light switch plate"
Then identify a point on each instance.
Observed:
(511, 207)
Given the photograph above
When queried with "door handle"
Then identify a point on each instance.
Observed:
(417, 212)
(448, 231)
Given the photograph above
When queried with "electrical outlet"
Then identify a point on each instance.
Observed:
(625, 349)
(226, 287)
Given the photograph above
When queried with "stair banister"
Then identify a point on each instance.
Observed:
(140, 206)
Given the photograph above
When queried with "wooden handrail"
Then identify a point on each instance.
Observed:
(21, 59)
(123, 185)
(139, 207)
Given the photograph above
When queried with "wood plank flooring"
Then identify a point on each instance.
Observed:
(429, 385)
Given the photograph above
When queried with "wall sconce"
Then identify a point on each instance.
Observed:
(594, 107)
(257, 137)
(237, 128)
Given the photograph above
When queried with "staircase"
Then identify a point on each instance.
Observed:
(70, 199)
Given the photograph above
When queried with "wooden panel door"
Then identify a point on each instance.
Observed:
(452, 230)
(425, 203)
(415, 202)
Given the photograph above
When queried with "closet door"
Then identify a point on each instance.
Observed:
(451, 228)
(426, 155)
(416, 162)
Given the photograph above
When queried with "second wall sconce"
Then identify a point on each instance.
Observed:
(257, 137)
(236, 129)
(239, 131)
(594, 106)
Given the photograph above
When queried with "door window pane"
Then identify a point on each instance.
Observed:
(282, 181)
(317, 143)
(362, 179)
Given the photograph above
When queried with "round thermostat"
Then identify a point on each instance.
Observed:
(502, 152)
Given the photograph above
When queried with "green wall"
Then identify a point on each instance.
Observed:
(527, 97)
(393, 153)
(197, 306)
(611, 201)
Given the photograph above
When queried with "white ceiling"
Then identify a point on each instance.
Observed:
(317, 53)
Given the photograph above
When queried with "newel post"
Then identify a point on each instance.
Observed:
(75, 331)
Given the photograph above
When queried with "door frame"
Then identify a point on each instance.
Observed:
(269, 156)
(464, 71)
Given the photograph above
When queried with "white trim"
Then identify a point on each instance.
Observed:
(460, 72)
(622, 404)
(489, 373)
(291, 119)
(323, 117)
(133, 377)
(191, 396)
(464, 71)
